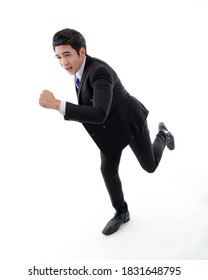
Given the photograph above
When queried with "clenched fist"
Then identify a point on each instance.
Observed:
(47, 100)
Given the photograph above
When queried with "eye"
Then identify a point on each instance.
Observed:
(67, 55)
(58, 57)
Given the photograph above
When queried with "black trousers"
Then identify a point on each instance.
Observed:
(148, 155)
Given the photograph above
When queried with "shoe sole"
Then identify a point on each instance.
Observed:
(171, 142)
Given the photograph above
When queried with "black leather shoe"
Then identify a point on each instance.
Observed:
(170, 142)
(114, 224)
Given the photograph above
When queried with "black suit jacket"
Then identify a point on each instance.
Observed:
(108, 112)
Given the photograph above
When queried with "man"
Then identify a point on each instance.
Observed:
(112, 117)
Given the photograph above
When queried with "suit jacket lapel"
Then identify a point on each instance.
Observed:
(87, 63)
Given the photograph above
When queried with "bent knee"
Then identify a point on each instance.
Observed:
(150, 169)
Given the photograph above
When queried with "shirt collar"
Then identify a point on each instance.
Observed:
(81, 69)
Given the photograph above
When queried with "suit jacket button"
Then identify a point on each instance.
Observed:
(104, 126)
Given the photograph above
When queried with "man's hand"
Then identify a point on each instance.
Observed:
(47, 100)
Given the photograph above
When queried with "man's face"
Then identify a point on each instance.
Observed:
(69, 59)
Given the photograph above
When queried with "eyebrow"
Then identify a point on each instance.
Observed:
(67, 52)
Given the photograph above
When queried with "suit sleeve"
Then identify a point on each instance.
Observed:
(102, 91)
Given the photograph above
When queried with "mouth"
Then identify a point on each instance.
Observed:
(68, 69)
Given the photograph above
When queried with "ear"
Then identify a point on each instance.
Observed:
(82, 52)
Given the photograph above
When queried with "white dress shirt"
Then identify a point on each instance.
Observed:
(79, 74)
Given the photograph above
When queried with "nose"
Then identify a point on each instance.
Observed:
(64, 61)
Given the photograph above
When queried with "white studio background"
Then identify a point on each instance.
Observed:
(53, 199)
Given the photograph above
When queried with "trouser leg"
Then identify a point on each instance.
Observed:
(148, 154)
(109, 170)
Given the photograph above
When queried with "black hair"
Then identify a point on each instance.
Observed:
(69, 37)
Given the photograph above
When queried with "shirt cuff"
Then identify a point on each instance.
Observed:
(62, 108)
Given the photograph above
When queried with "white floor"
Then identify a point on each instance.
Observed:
(53, 201)
(49, 216)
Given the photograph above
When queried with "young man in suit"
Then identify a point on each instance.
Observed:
(112, 117)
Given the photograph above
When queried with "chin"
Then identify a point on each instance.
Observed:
(70, 72)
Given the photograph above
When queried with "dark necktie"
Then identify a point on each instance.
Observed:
(77, 82)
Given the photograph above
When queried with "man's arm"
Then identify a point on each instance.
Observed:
(101, 88)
